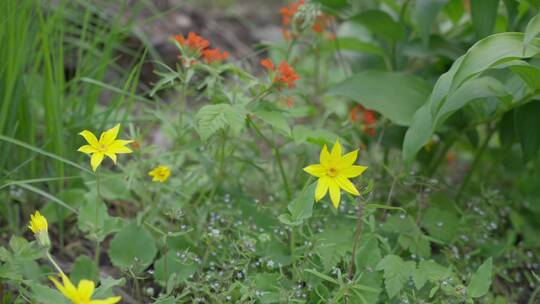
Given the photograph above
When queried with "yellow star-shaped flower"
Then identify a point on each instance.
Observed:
(334, 172)
(107, 145)
(82, 294)
(160, 173)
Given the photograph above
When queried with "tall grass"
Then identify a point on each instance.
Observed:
(55, 59)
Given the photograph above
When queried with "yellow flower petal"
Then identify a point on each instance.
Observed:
(96, 159)
(88, 149)
(90, 138)
(111, 155)
(352, 171)
(336, 151)
(66, 288)
(324, 158)
(335, 192)
(111, 300)
(38, 223)
(316, 170)
(119, 149)
(322, 188)
(347, 160)
(85, 289)
(346, 185)
(109, 136)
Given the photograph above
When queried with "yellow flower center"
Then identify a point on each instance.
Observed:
(102, 147)
(332, 172)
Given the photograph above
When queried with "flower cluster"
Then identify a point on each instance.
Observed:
(368, 119)
(196, 46)
(284, 75)
(289, 13)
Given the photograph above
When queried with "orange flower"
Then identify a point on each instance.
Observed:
(214, 55)
(450, 158)
(353, 114)
(268, 64)
(194, 42)
(369, 117)
(288, 12)
(286, 34)
(286, 75)
(290, 102)
(321, 23)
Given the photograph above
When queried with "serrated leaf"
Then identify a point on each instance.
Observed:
(396, 273)
(212, 118)
(333, 244)
(481, 280)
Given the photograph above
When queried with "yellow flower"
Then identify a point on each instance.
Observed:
(39, 226)
(82, 294)
(107, 145)
(334, 172)
(160, 173)
(38, 223)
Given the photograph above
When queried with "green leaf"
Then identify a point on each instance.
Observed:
(356, 45)
(133, 247)
(212, 118)
(487, 53)
(380, 24)
(429, 270)
(302, 134)
(276, 119)
(532, 30)
(333, 244)
(484, 14)
(396, 96)
(368, 253)
(441, 224)
(425, 12)
(83, 268)
(301, 207)
(507, 133)
(481, 280)
(46, 295)
(527, 125)
(396, 273)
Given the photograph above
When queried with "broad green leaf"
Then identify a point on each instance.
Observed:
(301, 207)
(454, 9)
(425, 12)
(276, 119)
(481, 280)
(484, 14)
(83, 268)
(132, 247)
(532, 30)
(507, 133)
(396, 96)
(368, 253)
(333, 244)
(529, 73)
(380, 24)
(488, 53)
(105, 288)
(356, 45)
(429, 270)
(212, 118)
(302, 134)
(527, 124)
(442, 224)
(396, 273)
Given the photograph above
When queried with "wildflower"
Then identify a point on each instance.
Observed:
(39, 226)
(107, 145)
(193, 42)
(160, 173)
(334, 172)
(214, 55)
(288, 12)
(321, 23)
(290, 102)
(268, 64)
(286, 75)
(353, 114)
(82, 294)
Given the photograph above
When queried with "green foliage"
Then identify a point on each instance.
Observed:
(133, 247)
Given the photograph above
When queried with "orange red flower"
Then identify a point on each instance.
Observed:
(214, 55)
(286, 75)
(288, 12)
(268, 64)
(193, 41)
(368, 119)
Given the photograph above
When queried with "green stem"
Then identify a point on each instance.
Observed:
(357, 232)
(97, 249)
(277, 156)
(53, 262)
(475, 162)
